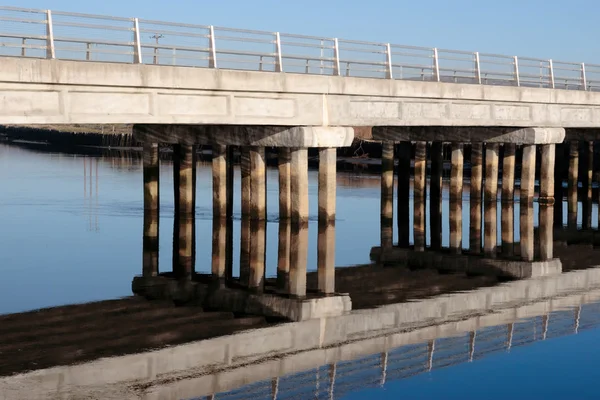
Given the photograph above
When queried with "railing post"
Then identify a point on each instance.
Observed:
(24, 43)
(389, 70)
(50, 53)
(516, 64)
(278, 59)
(551, 72)
(477, 68)
(436, 65)
(88, 51)
(336, 57)
(583, 79)
(137, 44)
(212, 58)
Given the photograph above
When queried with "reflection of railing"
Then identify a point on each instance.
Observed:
(74, 36)
(339, 379)
(90, 194)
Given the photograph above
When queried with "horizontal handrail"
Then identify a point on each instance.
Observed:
(103, 37)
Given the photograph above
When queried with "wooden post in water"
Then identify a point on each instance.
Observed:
(491, 198)
(476, 197)
(456, 188)
(435, 195)
(403, 217)
(387, 194)
(151, 167)
(419, 195)
(327, 203)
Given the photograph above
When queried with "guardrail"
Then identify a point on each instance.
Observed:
(74, 36)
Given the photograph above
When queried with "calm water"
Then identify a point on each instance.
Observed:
(72, 233)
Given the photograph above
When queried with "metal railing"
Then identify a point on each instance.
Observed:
(85, 37)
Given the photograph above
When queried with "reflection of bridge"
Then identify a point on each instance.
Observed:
(365, 347)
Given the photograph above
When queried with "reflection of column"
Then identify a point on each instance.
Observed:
(472, 336)
(387, 194)
(151, 209)
(326, 238)
(257, 254)
(219, 249)
(547, 174)
(573, 182)
(528, 174)
(404, 155)
(491, 197)
(456, 187)
(435, 195)
(332, 373)
(285, 211)
(419, 195)
(298, 259)
(430, 351)
(219, 175)
(184, 210)
(245, 224)
(526, 229)
(476, 197)
(546, 231)
(508, 228)
(384, 365)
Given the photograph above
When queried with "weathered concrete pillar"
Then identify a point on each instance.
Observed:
(475, 226)
(419, 195)
(326, 237)
(586, 183)
(528, 174)
(298, 259)
(387, 194)
(546, 230)
(285, 197)
(508, 228)
(219, 250)
(508, 173)
(559, 175)
(299, 185)
(573, 183)
(326, 257)
(476, 171)
(403, 217)
(285, 213)
(229, 181)
(219, 175)
(526, 229)
(245, 232)
(245, 169)
(151, 209)
(547, 174)
(491, 198)
(435, 195)
(258, 181)
(256, 279)
(456, 188)
(184, 210)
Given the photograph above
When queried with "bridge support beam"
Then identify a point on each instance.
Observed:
(466, 134)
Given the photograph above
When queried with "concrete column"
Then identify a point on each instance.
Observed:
(572, 184)
(546, 231)
(526, 228)
(387, 194)
(184, 211)
(285, 197)
(245, 223)
(258, 181)
(219, 249)
(256, 278)
(419, 195)
(327, 183)
(456, 188)
(151, 209)
(435, 195)
(475, 198)
(547, 174)
(245, 169)
(219, 175)
(528, 174)
(403, 218)
(508, 173)
(508, 228)
(559, 175)
(229, 181)
(586, 183)
(490, 222)
(476, 171)
(299, 185)
(298, 259)
(326, 258)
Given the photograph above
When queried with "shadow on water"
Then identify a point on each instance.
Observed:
(515, 275)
